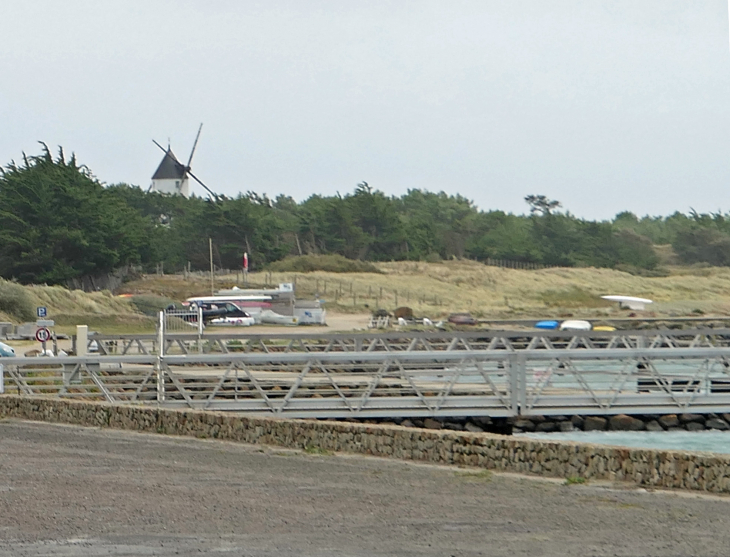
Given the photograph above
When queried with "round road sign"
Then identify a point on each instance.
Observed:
(42, 334)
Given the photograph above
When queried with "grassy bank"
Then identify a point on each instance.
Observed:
(432, 289)
(68, 308)
(437, 289)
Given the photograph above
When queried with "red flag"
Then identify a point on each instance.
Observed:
(245, 261)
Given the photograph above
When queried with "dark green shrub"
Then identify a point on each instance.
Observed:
(327, 263)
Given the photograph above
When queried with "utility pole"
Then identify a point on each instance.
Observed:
(212, 284)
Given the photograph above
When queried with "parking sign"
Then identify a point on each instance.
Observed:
(41, 311)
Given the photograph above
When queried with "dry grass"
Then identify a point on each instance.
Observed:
(441, 288)
(99, 310)
(437, 289)
(433, 289)
(60, 300)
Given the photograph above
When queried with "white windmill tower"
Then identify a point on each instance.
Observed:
(171, 176)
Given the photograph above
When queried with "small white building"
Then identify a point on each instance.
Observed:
(171, 176)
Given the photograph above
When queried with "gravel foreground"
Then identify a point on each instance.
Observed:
(71, 491)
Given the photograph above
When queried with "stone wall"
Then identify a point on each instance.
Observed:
(670, 469)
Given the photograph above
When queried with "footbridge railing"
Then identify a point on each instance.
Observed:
(416, 382)
(277, 342)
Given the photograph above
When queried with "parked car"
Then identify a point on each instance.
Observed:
(462, 319)
(225, 310)
(6, 351)
(243, 320)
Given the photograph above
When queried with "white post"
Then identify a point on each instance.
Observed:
(212, 287)
(82, 339)
(200, 329)
(160, 356)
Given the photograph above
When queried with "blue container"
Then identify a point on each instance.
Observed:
(546, 325)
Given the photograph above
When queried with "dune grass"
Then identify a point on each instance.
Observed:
(68, 308)
(437, 289)
(431, 289)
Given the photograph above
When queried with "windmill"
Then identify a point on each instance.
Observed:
(171, 175)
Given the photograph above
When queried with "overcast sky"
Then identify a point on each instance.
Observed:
(604, 105)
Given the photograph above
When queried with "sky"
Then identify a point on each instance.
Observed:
(605, 106)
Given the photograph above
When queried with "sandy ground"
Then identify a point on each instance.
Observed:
(336, 322)
(78, 491)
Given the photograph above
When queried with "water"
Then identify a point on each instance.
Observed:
(712, 441)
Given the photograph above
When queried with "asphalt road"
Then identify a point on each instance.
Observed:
(80, 491)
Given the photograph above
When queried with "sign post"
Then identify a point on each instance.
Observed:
(42, 335)
(41, 312)
(245, 268)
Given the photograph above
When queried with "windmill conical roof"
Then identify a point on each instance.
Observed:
(170, 168)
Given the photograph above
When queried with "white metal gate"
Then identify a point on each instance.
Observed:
(184, 320)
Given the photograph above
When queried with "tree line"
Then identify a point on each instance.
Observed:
(58, 222)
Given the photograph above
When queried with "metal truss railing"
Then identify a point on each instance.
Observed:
(388, 384)
(182, 343)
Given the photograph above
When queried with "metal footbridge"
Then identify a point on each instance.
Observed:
(388, 375)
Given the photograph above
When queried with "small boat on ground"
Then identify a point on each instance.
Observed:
(548, 324)
(630, 302)
(575, 325)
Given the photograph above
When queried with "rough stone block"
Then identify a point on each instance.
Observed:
(524, 424)
(670, 420)
(690, 418)
(566, 426)
(577, 421)
(694, 426)
(717, 423)
(654, 425)
(482, 421)
(594, 423)
(430, 423)
(622, 422)
(545, 427)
